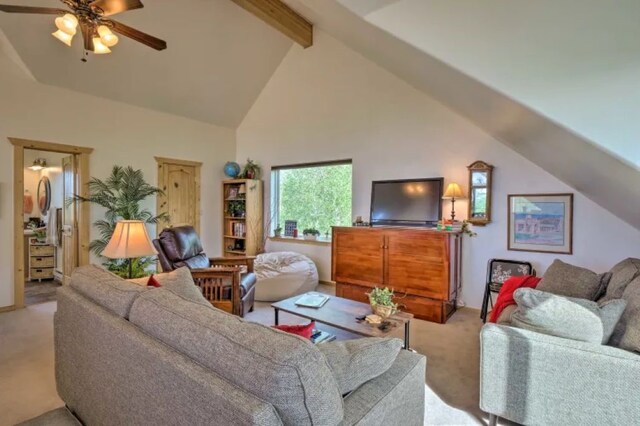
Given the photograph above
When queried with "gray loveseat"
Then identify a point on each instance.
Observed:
(129, 355)
(539, 379)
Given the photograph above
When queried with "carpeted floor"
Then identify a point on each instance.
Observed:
(452, 350)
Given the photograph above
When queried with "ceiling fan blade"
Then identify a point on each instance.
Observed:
(138, 36)
(28, 9)
(111, 7)
(87, 35)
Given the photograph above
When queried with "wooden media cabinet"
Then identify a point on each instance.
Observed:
(422, 266)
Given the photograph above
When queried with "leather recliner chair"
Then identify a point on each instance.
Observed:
(180, 246)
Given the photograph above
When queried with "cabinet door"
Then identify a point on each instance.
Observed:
(357, 256)
(418, 263)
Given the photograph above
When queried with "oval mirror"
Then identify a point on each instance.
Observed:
(44, 195)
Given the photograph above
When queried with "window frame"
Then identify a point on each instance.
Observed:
(274, 199)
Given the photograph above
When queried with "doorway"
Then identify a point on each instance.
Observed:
(180, 182)
(51, 236)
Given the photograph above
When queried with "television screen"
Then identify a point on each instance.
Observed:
(415, 202)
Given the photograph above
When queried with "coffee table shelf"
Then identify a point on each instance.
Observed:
(341, 313)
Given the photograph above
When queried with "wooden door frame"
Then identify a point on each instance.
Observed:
(162, 197)
(83, 218)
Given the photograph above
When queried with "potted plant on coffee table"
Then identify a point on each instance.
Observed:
(311, 234)
(381, 301)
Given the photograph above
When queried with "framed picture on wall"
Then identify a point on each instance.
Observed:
(541, 223)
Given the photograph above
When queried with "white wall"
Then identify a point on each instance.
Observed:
(121, 135)
(328, 102)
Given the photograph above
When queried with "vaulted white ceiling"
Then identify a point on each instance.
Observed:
(604, 170)
(219, 58)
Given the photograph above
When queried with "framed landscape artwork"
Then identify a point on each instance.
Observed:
(541, 223)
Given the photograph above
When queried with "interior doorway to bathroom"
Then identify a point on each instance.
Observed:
(51, 231)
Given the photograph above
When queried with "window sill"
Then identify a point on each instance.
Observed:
(300, 240)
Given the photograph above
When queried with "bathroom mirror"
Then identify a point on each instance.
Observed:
(480, 193)
(44, 195)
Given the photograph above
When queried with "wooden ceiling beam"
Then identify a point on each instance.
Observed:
(281, 17)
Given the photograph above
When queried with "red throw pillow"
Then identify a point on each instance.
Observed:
(153, 282)
(299, 330)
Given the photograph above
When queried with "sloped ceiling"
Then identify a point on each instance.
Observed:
(611, 180)
(219, 58)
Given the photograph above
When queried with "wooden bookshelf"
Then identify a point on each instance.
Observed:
(242, 223)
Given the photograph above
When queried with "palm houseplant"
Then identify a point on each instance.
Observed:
(121, 195)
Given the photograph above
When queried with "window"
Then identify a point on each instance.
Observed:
(315, 195)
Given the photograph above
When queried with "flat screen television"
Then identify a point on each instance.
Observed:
(410, 202)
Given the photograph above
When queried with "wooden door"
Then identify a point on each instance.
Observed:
(69, 220)
(418, 263)
(358, 256)
(180, 181)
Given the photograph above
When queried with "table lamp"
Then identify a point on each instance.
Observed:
(130, 240)
(453, 193)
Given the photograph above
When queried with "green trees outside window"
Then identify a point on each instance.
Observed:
(317, 197)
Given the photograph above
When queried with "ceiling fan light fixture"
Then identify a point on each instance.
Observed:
(107, 37)
(99, 48)
(67, 23)
(63, 37)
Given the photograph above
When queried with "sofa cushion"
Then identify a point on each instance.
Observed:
(284, 370)
(181, 283)
(621, 275)
(106, 289)
(505, 315)
(568, 280)
(568, 317)
(355, 362)
(627, 333)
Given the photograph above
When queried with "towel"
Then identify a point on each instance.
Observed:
(52, 227)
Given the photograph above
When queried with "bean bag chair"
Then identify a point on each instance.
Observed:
(284, 274)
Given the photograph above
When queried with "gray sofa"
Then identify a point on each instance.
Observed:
(538, 379)
(128, 355)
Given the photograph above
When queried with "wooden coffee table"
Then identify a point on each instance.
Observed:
(341, 313)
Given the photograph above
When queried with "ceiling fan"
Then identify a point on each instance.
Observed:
(92, 17)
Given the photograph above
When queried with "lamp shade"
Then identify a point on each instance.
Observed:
(453, 192)
(129, 240)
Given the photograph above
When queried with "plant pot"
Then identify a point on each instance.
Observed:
(382, 311)
(311, 237)
(277, 234)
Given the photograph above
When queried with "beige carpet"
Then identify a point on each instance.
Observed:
(28, 386)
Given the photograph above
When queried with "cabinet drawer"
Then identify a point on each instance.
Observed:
(42, 262)
(41, 251)
(41, 273)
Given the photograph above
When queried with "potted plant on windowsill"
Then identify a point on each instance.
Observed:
(311, 234)
(277, 232)
(381, 301)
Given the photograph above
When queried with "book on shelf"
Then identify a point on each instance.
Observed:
(238, 229)
(319, 336)
(312, 300)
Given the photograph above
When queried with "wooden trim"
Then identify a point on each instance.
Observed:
(7, 308)
(84, 210)
(281, 17)
(50, 146)
(18, 224)
(83, 217)
(325, 282)
(178, 162)
(314, 164)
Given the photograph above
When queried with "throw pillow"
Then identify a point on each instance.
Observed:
(299, 330)
(181, 283)
(627, 332)
(568, 280)
(153, 282)
(355, 362)
(567, 317)
(621, 275)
